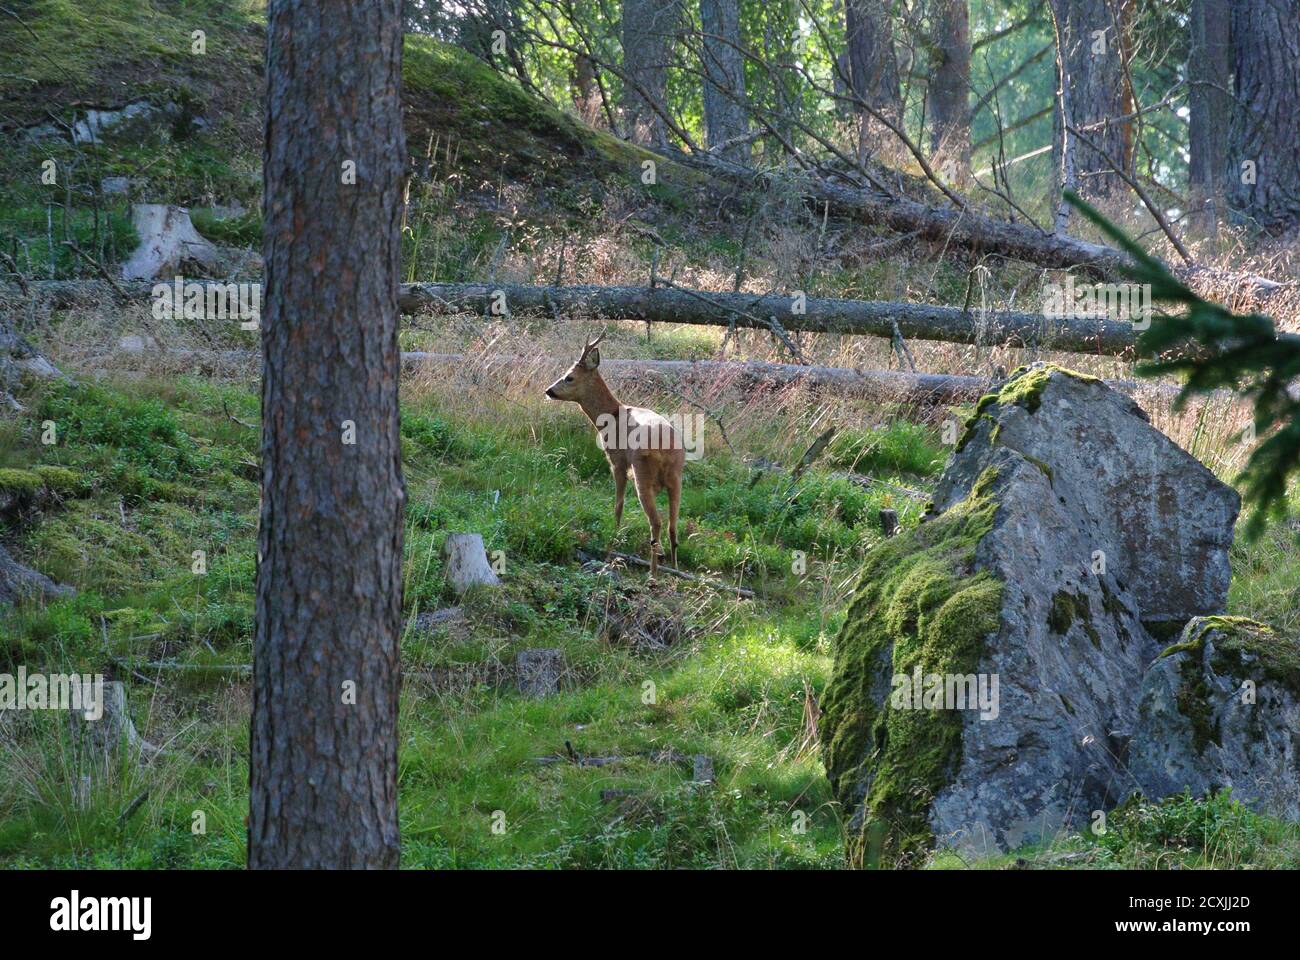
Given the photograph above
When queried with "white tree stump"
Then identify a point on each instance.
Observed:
(465, 562)
(113, 729)
(168, 240)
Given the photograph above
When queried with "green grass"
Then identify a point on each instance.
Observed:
(149, 472)
(1177, 833)
(160, 468)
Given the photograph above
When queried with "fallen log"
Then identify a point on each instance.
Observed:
(930, 388)
(886, 384)
(675, 304)
(880, 318)
(968, 229)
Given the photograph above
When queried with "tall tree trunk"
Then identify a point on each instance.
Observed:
(586, 97)
(323, 767)
(873, 66)
(1265, 129)
(724, 86)
(1092, 97)
(649, 31)
(948, 98)
(1210, 103)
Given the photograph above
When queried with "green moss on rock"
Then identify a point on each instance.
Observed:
(20, 482)
(1023, 388)
(1243, 649)
(919, 602)
(61, 480)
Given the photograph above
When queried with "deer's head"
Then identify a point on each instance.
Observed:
(580, 380)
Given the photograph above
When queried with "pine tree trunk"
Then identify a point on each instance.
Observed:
(948, 98)
(323, 790)
(873, 66)
(1265, 129)
(1092, 97)
(1209, 101)
(649, 27)
(724, 86)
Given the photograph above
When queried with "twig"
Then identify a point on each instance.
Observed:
(743, 592)
(811, 454)
(1142, 194)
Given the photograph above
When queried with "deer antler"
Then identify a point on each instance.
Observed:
(590, 346)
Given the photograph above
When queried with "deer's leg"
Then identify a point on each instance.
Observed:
(645, 492)
(674, 499)
(620, 490)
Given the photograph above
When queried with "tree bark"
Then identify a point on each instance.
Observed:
(323, 765)
(1093, 94)
(873, 65)
(921, 321)
(948, 99)
(649, 30)
(725, 117)
(1210, 103)
(1265, 127)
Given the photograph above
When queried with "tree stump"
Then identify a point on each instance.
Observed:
(538, 672)
(889, 522)
(465, 562)
(112, 730)
(167, 241)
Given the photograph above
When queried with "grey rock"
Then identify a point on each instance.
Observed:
(135, 119)
(1093, 522)
(538, 672)
(702, 768)
(111, 186)
(1222, 709)
(1162, 521)
(18, 581)
(427, 621)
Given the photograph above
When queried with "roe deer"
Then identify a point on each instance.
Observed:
(635, 440)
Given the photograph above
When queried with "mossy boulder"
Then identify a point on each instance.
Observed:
(1028, 588)
(1221, 709)
(1163, 522)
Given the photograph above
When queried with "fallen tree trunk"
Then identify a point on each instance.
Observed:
(880, 318)
(879, 384)
(674, 304)
(969, 230)
(885, 384)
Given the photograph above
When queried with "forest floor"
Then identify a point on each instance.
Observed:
(157, 458)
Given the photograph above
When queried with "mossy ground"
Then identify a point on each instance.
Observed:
(919, 602)
(163, 469)
(146, 472)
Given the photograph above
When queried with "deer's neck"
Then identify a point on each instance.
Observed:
(598, 403)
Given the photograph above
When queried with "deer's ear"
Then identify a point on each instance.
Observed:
(592, 360)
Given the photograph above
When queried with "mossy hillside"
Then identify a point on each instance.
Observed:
(735, 681)
(920, 601)
(81, 50)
